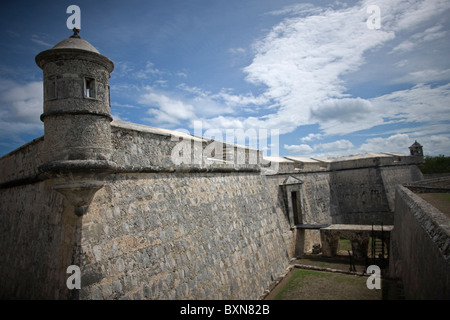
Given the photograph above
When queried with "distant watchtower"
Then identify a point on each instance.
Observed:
(76, 101)
(416, 149)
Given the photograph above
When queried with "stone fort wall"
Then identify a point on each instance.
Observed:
(145, 236)
(181, 236)
(32, 242)
(148, 213)
(159, 230)
(420, 247)
(362, 192)
(366, 195)
(155, 230)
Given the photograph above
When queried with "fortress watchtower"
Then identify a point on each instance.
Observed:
(76, 101)
(77, 119)
(416, 149)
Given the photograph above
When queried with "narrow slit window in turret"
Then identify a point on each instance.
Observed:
(89, 88)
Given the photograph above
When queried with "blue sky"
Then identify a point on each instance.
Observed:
(313, 71)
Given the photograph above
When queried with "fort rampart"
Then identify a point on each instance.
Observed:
(157, 230)
(148, 213)
(420, 247)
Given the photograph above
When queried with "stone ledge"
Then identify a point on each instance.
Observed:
(312, 226)
(358, 227)
(435, 223)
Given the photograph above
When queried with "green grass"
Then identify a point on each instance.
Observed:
(318, 285)
(443, 196)
(297, 277)
(345, 244)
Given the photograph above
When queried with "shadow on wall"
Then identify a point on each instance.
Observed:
(358, 196)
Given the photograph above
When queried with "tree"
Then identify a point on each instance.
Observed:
(439, 164)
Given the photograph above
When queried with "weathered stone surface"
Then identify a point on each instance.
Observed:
(174, 216)
(33, 242)
(22, 163)
(357, 234)
(76, 101)
(179, 229)
(420, 247)
(141, 148)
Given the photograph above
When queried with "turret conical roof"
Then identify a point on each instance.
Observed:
(75, 43)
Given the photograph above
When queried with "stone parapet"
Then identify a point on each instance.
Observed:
(138, 148)
(21, 165)
(420, 247)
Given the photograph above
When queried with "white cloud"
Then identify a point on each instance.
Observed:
(223, 123)
(165, 109)
(433, 144)
(398, 143)
(21, 103)
(234, 100)
(37, 39)
(299, 149)
(311, 137)
(122, 69)
(434, 138)
(300, 66)
(430, 34)
(406, 45)
(301, 62)
(408, 15)
(296, 9)
(169, 107)
(224, 103)
(425, 76)
(225, 96)
(121, 105)
(436, 144)
(421, 103)
(424, 130)
(161, 83)
(235, 51)
(148, 70)
(181, 74)
(322, 149)
(302, 59)
(342, 110)
(21, 107)
(340, 145)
